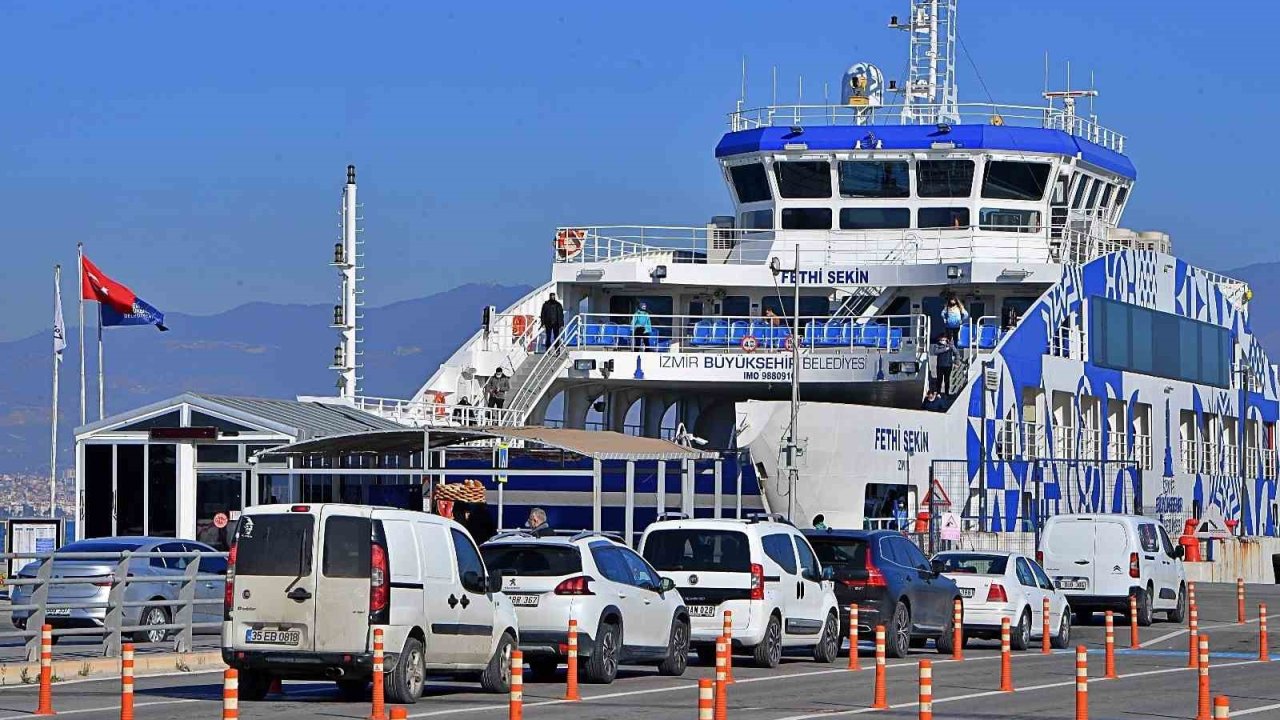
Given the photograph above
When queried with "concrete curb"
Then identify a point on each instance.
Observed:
(144, 664)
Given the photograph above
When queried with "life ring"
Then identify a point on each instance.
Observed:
(569, 242)
(749, 343)
(518, 325)
(437, 399)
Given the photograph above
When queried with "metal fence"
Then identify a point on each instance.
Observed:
(113, 604)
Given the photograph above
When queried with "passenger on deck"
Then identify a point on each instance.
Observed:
(499, 385)
(953, 316)
(945, 353)
(552, 318)
(934, 402)
(641, 328)
(772, 317)
(462, 413)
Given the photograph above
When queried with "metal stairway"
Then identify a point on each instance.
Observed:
(536, 374)
(860, 299)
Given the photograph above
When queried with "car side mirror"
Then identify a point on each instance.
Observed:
(493, 582)
(1179, 552)
(666, 585)
(937, 566)
(828, 573)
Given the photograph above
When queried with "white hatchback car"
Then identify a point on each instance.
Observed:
(626, 613)
(997, 585)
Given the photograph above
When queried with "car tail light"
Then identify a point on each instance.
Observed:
(996, 594)
(229, 586)
(300, 508)
(379, 587)
(1135, 570)
(874, 579)
(757, 581)
(580, 585)
(1040, 557)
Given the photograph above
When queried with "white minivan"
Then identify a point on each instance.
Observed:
(1098, 561)
(307, 585)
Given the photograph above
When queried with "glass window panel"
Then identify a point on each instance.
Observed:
(806, 218)
(1008, 220)
(736, 305)
(162, 490)
(951, 217)
(1007, 180)
(200, 419)
(129, 471)
(757, 220)
(1116, 336)
(750, 183)
(98, 468)
(346, 547)
(804, 178)
(944, 178)
(875, 218)
(219, 453)
(874, 179)
(169, 419)
(1082, 184)
(1143, 342)
(1093, 194)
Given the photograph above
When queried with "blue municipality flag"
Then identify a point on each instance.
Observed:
(142, 314)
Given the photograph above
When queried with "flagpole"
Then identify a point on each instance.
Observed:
(57, 362)
(80, 294)
(102, 383)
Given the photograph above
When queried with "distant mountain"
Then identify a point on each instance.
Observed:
(259, 349)
(1264, 309)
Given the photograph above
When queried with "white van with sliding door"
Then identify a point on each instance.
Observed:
(307, 585)
(1098, 561)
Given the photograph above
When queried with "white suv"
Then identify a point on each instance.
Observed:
(763, 570)
(626, 613)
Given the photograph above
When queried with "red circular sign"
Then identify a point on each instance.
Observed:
(220, 520)
(749, 343)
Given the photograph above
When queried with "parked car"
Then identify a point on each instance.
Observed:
(151, 579)
(894, 585)
(997, 585)
(760, 568)
(309, 584)
(1098, 561)
(626, 613)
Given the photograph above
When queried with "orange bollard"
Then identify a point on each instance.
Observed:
(880, 701)
(230, 694)
(1110, 638)
(399, 713)
(379, 710)
(126, 682)
(1240, 601)
(45, 702)
(926, 690)
(1264, 654)
(1133, 623)
(706, 699)
(515, 710)
(957, 632)
(728, 655)
(853, 637)
(1221, 708)
(1006, 657)
(1082, 683)
(1204, 712)
(571, 664)
(722, 685)
(1045, 647)
(1193, 648)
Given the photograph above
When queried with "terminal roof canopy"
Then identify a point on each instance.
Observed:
(599, 445)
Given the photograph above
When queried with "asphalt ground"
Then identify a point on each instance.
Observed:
(1153, 683)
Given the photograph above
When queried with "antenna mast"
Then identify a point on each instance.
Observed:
(930, 95)
(348, 258)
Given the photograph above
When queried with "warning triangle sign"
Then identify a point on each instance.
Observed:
(937, 496)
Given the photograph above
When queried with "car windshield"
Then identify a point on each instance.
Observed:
(974, 563)
(841, 552)
(532, 560)
(701, 550)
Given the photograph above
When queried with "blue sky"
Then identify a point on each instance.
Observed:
(199, 149)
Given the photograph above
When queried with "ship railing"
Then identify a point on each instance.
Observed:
(428, 413)
(1052, 118)
(741, 333)
(709, 245)
(1020, 439)
(1269, 463)
(1068, 342)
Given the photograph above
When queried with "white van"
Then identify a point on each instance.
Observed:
(308, 584)
(1098, 561)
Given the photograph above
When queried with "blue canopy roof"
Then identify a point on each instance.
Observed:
(922, 137)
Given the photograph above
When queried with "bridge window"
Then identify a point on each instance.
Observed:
(1121, 195)
(944, 178)
(1093, 195)
(874, 179)
(1006, 220)
(750, 183)
(949, 217)
(1082, 183)
(804, 179)
(1122, 335)
(875, 218)
(757, 220)
(806, 218)
(1007, 180)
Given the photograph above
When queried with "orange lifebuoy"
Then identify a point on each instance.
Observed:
(569, 242)
(438, 399)
(518, 325)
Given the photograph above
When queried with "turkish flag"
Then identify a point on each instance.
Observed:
(96, 286)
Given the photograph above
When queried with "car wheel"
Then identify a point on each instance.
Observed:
(828, 647)
(152, 616)
(1179, 613)
(769, 652)
(898, 642)
(602, 666)
(1062, 640)
(677, 660)
(543, 669)
(1144, 608)
(404, 683)
(254, 685)
(1020, 637)
(946, 642)
(496, 677)
(353, 690)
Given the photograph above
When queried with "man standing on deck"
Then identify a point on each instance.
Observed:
(552, 318)
(641, 327)
(498, 387)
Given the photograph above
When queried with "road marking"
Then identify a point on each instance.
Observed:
(1251, 711)
(81, 711)
(113, 678)
(1184, 631)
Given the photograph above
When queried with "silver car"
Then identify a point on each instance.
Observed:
(150, 579)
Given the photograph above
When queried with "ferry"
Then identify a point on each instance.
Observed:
(916, 305)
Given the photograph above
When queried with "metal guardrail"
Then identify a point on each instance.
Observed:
(181, 628)
(727, 333)
(419, 413)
